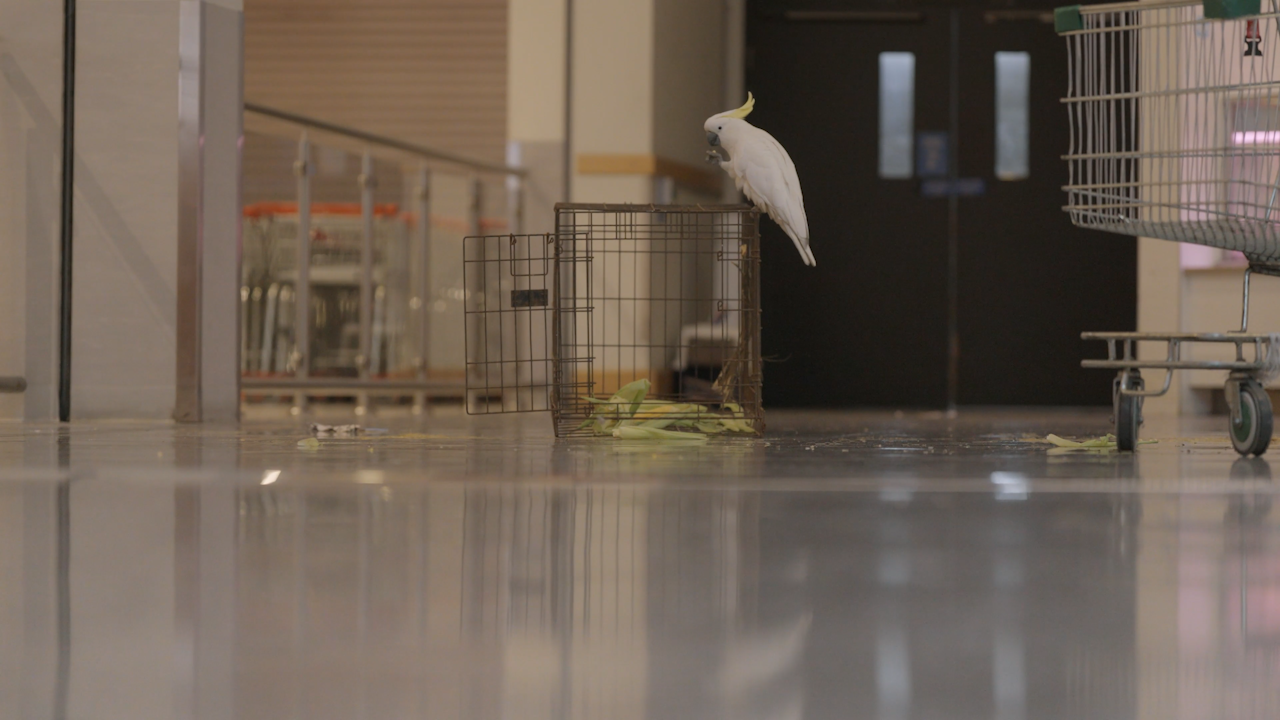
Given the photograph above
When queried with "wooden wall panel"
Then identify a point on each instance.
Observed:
(427, 71)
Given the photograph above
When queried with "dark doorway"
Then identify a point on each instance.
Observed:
(942, 278)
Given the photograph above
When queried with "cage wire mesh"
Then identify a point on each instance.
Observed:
(620, 293)
(1175, 125)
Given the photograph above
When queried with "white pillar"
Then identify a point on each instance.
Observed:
(1160, 310)
(639, 98)
(156, 264)
(211, 115)
(30, 128)
(536, 72)
(612, 100)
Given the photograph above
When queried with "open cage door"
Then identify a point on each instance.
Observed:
(510, 310)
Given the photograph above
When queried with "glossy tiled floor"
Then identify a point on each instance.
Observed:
(847, 566)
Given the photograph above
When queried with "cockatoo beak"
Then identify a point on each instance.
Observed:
(713, 139)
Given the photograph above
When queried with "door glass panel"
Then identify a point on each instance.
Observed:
(1013, 85)
(897, 109)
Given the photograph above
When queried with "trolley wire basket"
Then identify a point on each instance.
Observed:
(1175, 123)
(1174, 111)
(667, 297)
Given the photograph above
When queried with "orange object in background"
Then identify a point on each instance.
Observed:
(263, 209)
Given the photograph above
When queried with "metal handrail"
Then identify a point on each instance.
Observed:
(423, 152)
(302, 384)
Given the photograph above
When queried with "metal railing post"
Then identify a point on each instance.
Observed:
(476, 206)
(515, 204)
(302, 293)
(379, 330)
(367, 183)
(270, 315)
(422, 237)
(1244, 313)
(245, 294)
(473, 279)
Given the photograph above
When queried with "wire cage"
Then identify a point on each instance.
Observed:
(1175, 121)
(667, 296)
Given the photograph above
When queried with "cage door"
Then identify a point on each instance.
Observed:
(509, 283)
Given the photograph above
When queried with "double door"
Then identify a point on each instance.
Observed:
(928, 143)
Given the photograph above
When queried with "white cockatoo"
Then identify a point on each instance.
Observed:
(762, 170)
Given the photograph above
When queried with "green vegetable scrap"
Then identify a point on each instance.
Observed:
(621, 405)
(1106, 442)
(627, 415)
(634, 432)
(309, 444)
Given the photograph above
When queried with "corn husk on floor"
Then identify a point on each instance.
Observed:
(1106, 442)
(628, 415)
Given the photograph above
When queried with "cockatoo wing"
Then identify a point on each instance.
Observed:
(768, 177)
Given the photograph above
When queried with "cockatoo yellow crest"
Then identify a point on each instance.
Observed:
(741, 112)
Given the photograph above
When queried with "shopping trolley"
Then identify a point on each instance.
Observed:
(1174, 111)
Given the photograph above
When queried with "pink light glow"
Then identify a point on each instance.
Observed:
(1256, 137)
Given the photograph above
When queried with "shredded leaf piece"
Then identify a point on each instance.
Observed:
(1106, 442)
(650, 433)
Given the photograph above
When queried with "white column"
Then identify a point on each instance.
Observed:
(690, 60)
(536, 72)
(30, 128)
(210, 128)
(156, 241)
(1159, 261)
(612, 95)
(124, 328)
(1160, 310)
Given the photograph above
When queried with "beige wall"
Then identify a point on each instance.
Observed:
(644, 93)
(689, 75)
(638, 93)
(126, 210)
(536, 58)
(427, 71)
(1159, 274)
(536, 70)
(613, 91)
(1160, 310)
(30, 130)
(126, 205)
(645, 75)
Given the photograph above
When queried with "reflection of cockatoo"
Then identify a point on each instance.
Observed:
(762, 170)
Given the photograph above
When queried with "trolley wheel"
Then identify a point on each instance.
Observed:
(1128, 414)
(1251, 423)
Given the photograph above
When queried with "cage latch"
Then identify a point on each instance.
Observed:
(529, 298)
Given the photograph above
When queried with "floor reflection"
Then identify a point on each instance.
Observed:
(836, 446)
(375, 598)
